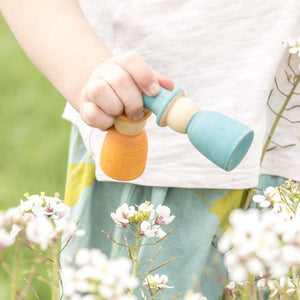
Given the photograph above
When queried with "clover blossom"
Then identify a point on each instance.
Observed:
(97, 277)
(156, 282)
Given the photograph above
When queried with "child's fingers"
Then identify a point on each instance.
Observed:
(140, 71)
(98, 91)
(94, 116)
(164, 81)
(125, 88)
(116, 86)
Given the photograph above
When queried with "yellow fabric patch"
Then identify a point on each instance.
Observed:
(79, 177)
(200, 195)
(225, 205)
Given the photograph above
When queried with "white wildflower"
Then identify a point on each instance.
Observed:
(69, 278)
(261, 200)
(123, 214)
(190, 295)
(62, 226)
(150, 231)
(15, 215)
(156, 282)
(276, 287)
(55, 208)
(43, 219)
(40, 231)
(6, 239)
(147, 210)
(97, 277)
(276, 199)
(146, 217)
(40, 205)
(33, 203)
(163, 215)
(15, 230)
(231, 285)
(253, 244)
(271, 195)
(91, 257)
(294, 46)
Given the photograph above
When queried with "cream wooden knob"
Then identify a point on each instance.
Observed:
(179, 113)
(128, 127)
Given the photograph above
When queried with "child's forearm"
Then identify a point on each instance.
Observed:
(58, 39)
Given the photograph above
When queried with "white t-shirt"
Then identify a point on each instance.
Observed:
(224, 54)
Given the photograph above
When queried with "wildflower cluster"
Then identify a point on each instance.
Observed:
(260, 243)
(283, 200)
(148, 219)
(253, 244)
(95, 277)
(144, 221)
(283, 288)
(41, 218)
(265, 245)
(285, 285)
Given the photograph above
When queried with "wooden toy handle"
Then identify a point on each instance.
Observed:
(129, 127)
(172, 109)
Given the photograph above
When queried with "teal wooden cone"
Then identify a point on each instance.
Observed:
(221, 139)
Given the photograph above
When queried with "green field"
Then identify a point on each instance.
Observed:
(34, 137)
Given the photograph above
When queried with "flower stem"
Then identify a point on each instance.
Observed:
(136, 255)
(16, 271)
(295, 279)
(250, 193)
(157, 267)
(278, 116)
(55, 280)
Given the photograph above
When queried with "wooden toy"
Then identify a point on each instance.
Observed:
(221, 139)
(125, 148)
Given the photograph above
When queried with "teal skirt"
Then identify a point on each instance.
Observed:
(201, 215)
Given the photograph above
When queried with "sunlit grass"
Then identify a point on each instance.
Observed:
(33, 137)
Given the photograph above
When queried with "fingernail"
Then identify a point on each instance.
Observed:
(153, 89)
(138, 116)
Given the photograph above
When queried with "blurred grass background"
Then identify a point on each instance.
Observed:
(34, 137)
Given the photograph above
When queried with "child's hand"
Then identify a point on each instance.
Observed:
(116, 86)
